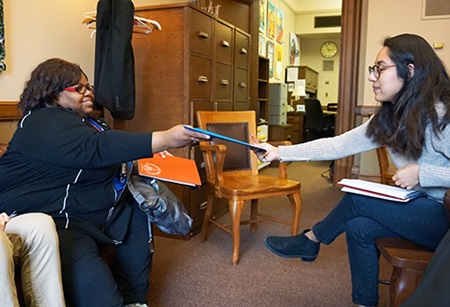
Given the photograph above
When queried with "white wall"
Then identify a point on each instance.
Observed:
(38, 30)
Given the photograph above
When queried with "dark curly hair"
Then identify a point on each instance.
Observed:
(400, 124)
(47, 80)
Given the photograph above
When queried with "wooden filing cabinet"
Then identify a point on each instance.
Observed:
(196, 62)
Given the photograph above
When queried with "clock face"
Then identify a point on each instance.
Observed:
(328, 50)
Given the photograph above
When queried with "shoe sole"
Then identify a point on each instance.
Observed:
(302, 257)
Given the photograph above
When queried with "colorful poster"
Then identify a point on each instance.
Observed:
(262, 45)
(279, 25)
(271, 19)
(294, 49)
(262, 16)
(271, 55)
(278, 61)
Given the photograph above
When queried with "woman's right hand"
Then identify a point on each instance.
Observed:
(270, 154)
(176, 137)
(4, 218)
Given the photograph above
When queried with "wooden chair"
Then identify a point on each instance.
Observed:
(386, 170)
(232, 174)
(408, 260)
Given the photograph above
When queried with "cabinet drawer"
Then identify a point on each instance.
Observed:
(223, 81)
(201, 33)
(223, 43)
(242, 43)
(241, 84)
(199, 106)
(200, 78)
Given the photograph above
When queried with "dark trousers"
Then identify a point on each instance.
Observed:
(89, 281)
(365, 219)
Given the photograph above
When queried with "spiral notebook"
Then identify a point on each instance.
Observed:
(171, 168)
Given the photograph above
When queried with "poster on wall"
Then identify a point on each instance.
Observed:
(294, 49)
(262, 45)
(262, 16)
(278, 61)
(2, 39)
(271, 19)
(279, 25)
(270, 54)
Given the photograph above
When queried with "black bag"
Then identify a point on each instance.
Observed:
(163, 208)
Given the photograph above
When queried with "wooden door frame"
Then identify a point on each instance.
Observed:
(351, 20)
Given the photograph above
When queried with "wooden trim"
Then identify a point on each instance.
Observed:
(9, 111)
(365, 110)
(348, 78)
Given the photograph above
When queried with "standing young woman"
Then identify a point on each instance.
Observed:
(413, 87)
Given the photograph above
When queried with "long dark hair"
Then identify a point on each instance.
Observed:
(400, 123)
(47, 80)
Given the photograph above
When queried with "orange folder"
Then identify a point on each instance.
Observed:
(171, 169)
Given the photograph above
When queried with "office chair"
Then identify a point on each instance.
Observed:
(232, 174)
(316, 124)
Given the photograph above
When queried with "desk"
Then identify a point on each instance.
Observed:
(296, 119)
(325, 112)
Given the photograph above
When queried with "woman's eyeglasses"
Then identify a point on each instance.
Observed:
(80, 88)
(377, 69)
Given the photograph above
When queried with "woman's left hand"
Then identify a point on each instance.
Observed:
(407, 177)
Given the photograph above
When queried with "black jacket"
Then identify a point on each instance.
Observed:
(114, 61)
(58, 164)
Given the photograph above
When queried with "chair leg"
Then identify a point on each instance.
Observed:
(235, 208)
(254, 215)
(296, 202)
(403, 283)
(208, 214)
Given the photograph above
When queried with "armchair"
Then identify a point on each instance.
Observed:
(232, 174)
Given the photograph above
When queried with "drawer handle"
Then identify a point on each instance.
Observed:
(202, 164)
(243, 51)
(243, 84)
(202, 205)
(224, 82)
(225, 43)
(202, 79)
(202, 34)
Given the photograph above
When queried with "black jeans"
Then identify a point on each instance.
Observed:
(89, 281)
(365, 219)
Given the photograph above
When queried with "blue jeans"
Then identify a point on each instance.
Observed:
(364, 219)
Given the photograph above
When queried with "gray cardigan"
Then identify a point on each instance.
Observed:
(434, 170)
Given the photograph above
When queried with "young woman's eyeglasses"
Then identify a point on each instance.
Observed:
(80, 88)
(377, 69)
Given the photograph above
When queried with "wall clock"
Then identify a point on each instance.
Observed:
(328, 49)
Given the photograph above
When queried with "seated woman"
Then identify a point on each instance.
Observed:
(32, 241)
(76, 167)
(413, 87)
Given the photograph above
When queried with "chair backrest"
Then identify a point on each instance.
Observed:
(386, 171)
(314, 114)
(236, 124)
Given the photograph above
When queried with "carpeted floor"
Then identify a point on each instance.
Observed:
(192, 273)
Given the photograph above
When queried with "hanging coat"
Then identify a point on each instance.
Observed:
(114, 61)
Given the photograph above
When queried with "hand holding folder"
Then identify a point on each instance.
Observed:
(225, 138)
